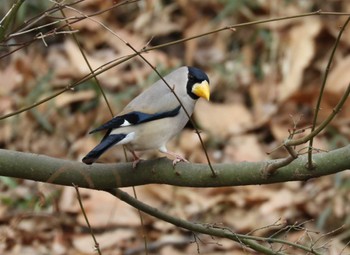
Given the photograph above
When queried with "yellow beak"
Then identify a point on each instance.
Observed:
(201, 89)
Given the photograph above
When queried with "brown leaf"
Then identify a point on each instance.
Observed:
(223, 119)
(339, 77)
(77, 60)
(103, 210)
(68, 98)
(244, 148)
(300, 49)
(153, 23)
(106, 240)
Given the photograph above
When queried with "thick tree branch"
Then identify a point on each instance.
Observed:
(106, 176)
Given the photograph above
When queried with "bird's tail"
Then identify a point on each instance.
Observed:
(104, 145)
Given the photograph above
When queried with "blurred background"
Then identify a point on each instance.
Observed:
(265, 80)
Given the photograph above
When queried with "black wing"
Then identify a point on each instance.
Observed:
(107, 142)
(134, 118)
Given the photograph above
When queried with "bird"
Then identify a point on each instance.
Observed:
(155, 116)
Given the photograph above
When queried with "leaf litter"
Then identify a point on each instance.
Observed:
(263, 78)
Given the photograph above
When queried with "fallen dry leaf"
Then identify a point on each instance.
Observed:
(68, 98)
(154, 23)
(279, 200)
(77, 60)
(244, 148)
(222, 120)
(104, 210)
(339, 77)
(109, 239)
(299, 51)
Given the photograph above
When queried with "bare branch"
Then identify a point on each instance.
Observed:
(106, 176)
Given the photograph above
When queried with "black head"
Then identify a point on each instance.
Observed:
(195, 76)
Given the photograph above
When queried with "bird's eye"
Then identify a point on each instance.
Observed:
(190, 77)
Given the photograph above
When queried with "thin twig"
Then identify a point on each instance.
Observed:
(213, 230)
(9, 17)
(117, 61)
(332, 232)
(318, 104)
(345, 246)
(97, 246)
(144, 235)
(6, 15)
(32, 21)
(200, 228)
(88, 76)
(46, 13)
(272, 168)
(37, 28)
(323, 124)
(89, 65)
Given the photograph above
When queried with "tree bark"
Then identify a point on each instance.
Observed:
(106, 176)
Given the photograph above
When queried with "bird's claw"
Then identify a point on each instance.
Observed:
(136, 159)
(135, 163)
(178, 159)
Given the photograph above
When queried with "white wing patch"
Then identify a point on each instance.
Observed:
(163, 149)
(125, 123)
(128, 138)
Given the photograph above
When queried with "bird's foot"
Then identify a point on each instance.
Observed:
(137, 159)
(178, 159)
(136, 162)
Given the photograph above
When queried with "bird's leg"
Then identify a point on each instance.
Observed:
(178, 158)
(136, 159)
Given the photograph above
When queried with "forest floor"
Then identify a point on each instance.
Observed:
(265, 81)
